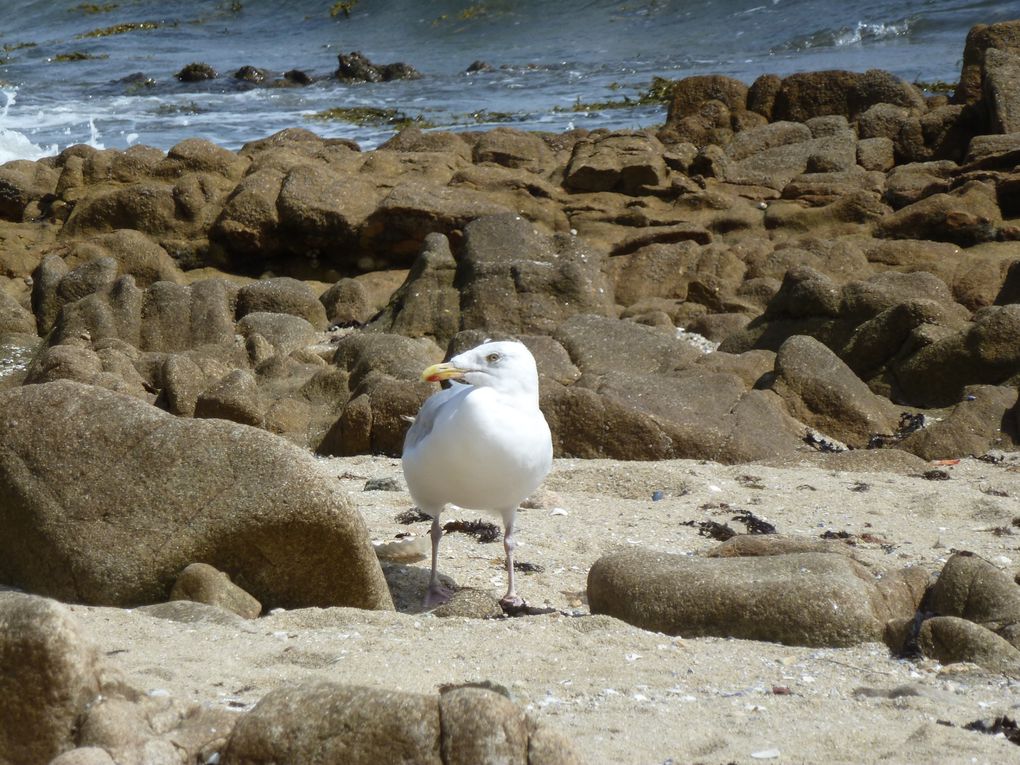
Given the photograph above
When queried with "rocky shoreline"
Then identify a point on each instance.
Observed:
(818, 271)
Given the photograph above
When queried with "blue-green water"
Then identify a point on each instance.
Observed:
(549, 59)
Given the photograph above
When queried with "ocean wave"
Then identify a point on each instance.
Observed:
(848, 36)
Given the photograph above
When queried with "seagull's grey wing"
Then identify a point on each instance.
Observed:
(429, 413)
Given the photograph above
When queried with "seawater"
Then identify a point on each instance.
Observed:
(70, 74)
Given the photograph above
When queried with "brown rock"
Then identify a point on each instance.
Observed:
(782, 598)
(823, 392)
(427, 304)
(480, 726)
(761, 96)
(203, 583)
(1002, 93)
(51, 675)
(976, 425)
(22, 185)
(235, 398)
(949, 639)
(966, 216)
(972, 588)
(598, 345)
(351, 724)
(415, 209)
(225, 494)
(282, 295)
(690, 92)
(625, 162)
(513, 148)
(14, 317)
(813, 94)
(984, 352)
(1004, 36)
(513, 279)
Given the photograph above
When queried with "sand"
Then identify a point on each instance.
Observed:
(623, 694)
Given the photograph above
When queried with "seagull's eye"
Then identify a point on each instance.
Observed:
(492, 358)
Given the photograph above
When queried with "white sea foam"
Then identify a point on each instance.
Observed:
(15, 145)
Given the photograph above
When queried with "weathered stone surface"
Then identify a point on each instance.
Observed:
(690, 92)
(50, 676)
(623, 162)
(823, 392)
(966, 216)
(368, 725)
(1004, 36)
(224, 492)
(202, 583)
(598, 345)
(513, 279)
(135, 727)
(781, 598)
(813, 94)
(14, 317)
(355, 67)
(513, 148)
(971, 588)
(352, 724)
(415, 209)
(984, 352)
(285, 332)
(976, 425)
(1002, 92)
(481, 726)
(775, 154)
(235, 397)
(949, 639)
(22, 184)
(282, 295)
(427, 304)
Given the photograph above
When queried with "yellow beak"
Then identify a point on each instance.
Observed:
(438, 372)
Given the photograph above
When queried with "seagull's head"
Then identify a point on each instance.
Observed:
(507, 366)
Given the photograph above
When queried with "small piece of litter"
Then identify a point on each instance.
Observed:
(765, 754)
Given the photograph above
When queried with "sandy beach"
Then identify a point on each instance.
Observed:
(622, 694)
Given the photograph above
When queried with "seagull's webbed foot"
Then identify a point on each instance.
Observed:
(511, 602)
(437, 594)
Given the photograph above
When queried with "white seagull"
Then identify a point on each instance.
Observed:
(481, 444)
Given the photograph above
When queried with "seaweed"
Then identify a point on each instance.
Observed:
(90, 9)
(78, 56)
(369, 115)
(754, 524)
(483, 531)
(342, 8)
(119, 29)
(414, 515)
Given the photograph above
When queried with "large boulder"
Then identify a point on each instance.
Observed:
(629, 163)
(1004, 36)
(970, 587)
(966, 216)
(815, 599)
(110, 501)
(813, 94)
(513, 279)
(986, 351)
(822, 391)
(362, 726)
(50, 677)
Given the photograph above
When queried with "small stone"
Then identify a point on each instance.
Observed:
(382, 484)
(203, 583)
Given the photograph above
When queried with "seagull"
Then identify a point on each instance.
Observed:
(481, 444)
